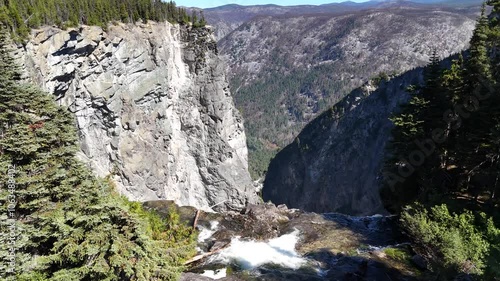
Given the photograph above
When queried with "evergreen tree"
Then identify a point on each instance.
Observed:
(476, 142)
(464, 166)
(494, 25)
(408, 167)
(21, 15)
(70, 225)
(202, 21)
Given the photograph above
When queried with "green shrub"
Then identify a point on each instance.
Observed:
(453, 243)
(398, 254)
(381, 77)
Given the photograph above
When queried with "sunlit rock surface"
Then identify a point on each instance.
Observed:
(152, 107)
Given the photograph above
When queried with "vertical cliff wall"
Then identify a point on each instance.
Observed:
(153, 109)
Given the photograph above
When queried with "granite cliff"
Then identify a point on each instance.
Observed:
(153, 109)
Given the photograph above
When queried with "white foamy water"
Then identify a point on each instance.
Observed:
(215, 274)
(252, 254)
(206, 233)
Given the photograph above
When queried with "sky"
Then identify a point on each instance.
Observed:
(215, 3)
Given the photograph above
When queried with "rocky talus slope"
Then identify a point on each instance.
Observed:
(334, 163)
(152, 106)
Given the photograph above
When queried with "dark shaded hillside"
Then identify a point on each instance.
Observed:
(334, 163)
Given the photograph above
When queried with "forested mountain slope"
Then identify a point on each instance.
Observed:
(286, 70)
(21, 15)
(229, 17)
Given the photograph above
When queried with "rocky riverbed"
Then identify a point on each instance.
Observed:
(268, 242)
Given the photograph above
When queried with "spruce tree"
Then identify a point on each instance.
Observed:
(21, 15)
(70, 225)
(464, 170)
(407, 169)
(481, 100)
(494, 25)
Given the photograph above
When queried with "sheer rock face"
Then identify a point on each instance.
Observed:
(335, 163)
(153, 109)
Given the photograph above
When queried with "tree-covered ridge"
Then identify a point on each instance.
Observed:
(21, 15)
(66, 224)
(445, 155)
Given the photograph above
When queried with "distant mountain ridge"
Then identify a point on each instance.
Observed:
(228, 17)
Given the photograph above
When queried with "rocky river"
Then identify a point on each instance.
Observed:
(268, 242)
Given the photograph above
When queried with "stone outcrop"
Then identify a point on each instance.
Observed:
(153, 109)
(334, 164)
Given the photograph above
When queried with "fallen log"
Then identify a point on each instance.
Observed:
(196, 218)
(205, 255)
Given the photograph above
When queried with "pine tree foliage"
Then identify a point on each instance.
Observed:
(70, 225)
(21, 15)
(462, 246)
(463, 102)
(454, 121)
